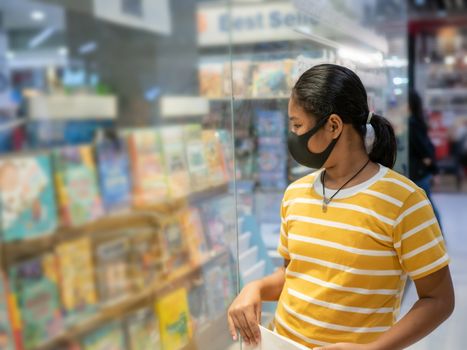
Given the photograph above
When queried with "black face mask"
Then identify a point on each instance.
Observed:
(298, 148)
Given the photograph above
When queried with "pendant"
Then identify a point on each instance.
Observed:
(325, 205)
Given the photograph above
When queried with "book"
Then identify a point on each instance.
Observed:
(6, 329)
(109, 337)
(175, 248)
(27, 197)
(34, 284)
(196, 156)
(143, 332)
(237, 79)
(114, 173)
(219, 287)
(147, 167)
(146, 258)
(76, 184)
(210, 74)
(193, 231)
(270, 124)
(175, 161)
(227, 153)
(212, 148)
(218, 215)
(272, 156)
(113, 269)
(214, 289)
(77, 280)
(269, 79)
(198, 305)
(272, 166)
(272, 341)
(174, 317)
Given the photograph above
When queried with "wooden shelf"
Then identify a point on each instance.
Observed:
(31, 247)
(119, 309)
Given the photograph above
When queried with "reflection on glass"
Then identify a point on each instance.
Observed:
(118, 221)
(124, 222)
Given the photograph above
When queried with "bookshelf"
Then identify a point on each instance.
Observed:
(97, 269)
(24, 249)
(120, 308)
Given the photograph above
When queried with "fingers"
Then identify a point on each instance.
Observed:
(252, 323)
(233, 330)
(242, 327)
(245, 320)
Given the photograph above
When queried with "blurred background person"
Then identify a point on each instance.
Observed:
(422, 161)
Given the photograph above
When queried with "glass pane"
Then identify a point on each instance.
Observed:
(273, 43)
(118, 219)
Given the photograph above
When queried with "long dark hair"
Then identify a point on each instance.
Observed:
(328, 89)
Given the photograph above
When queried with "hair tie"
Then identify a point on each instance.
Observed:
(370, 115)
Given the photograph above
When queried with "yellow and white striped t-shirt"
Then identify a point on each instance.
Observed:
(348, 266)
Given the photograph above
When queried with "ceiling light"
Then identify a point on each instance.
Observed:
(396, 62)
(41, 37)
(360, 56)
(37, 16)
(400, 81)
(87, 47)
(449, 60)
(63, 51)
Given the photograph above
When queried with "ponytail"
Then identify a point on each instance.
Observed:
(384, 150)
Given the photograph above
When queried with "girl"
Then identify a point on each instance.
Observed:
(351, 232)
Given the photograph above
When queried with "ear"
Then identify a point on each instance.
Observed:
(335, 125)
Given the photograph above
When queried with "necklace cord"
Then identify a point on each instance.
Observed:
(340, 188)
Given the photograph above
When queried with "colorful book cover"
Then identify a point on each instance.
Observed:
(194, 234)
(174, 317)
(110, 337)
(113, 269)
(175, 161)
(269, 79)
(175, 248)
(77, 188)
(214, 159)
(219, 221)
(210, 79)
(214, 288)
(35, 287)
(227, 153)
(6, 331)
(237, 79)
(114, 173)
(219, 287)
(143, 331)
(77, 286)
(146, 258)
(198, 304)
(27, 197)
(148, 171)
(196, 156)
(271, 124)
(272, 166)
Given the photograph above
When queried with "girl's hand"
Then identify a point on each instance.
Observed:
(345, 346)
(245, 314)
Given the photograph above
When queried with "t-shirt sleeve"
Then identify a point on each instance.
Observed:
(418, 240)
(283, 247)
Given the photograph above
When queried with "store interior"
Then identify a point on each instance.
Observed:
(144, 153)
